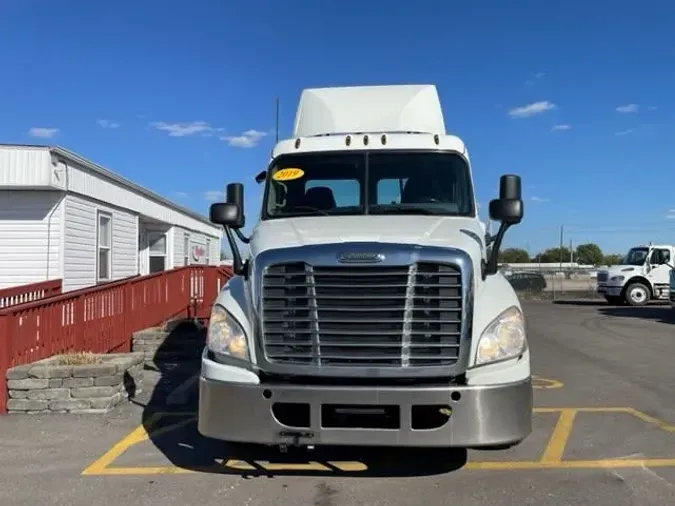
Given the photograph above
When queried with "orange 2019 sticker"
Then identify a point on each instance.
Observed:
(288, 174)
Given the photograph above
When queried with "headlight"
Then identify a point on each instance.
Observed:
(225, 335)
(503, 338)
(617, 279)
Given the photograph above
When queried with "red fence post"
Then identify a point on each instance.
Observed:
(5, 360)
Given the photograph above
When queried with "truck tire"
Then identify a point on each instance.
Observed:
(614, 300)
(637, 294)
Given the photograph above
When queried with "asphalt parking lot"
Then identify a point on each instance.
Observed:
(604, 433)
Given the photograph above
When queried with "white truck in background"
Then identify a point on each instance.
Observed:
(370, 311)
(643, 275)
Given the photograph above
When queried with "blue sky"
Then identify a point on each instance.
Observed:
(576, 97)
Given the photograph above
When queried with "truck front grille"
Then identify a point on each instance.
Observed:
(408, 316)
(602, 277)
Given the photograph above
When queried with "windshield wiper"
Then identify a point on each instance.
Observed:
(404, 209)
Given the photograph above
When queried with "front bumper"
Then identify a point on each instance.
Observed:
(485, 415)
(610, 290)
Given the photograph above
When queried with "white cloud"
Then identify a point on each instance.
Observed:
(44, 133)
(561, 127)
(628, 108)
(539, 199)
(248, 139)
(214, 195)
(625, 132)
(181, 195)
(532, 109)
(106, 123)
(183, 129)
(670, 216)
(535, 78)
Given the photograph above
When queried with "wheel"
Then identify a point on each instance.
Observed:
(637, 294)
(615, 300)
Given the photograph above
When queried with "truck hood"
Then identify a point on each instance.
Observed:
(458, 232)
(626, 271)
(621, 270)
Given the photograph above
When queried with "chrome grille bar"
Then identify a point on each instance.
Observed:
(362, 316)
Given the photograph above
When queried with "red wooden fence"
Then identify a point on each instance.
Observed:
(101, 319)
(28, 293)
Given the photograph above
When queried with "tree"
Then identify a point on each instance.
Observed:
(612, 259)
(553, 255)
(514, 256)
(589, 254)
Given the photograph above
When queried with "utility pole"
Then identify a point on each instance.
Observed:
(571, 252)
(561, 246)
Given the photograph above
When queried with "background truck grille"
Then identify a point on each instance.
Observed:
(602, 276)
(408, 316)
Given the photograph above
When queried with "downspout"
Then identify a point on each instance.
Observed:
(51, 217)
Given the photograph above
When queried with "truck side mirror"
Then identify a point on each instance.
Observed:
(507, 209)
(227, 215)
(230, 215)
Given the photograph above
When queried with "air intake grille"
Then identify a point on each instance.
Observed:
(407, 316)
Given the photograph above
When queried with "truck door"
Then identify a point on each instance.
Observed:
(659, 271)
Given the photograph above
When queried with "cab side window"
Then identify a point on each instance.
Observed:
(660, 257)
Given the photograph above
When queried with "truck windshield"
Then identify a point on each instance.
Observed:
(336, 184)
(635, 256)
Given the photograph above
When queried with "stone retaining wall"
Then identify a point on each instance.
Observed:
(48, 386)
(179, 344)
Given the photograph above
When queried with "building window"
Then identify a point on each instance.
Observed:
(186, 249)
(104, 242)
(208, 252)
(157, 251)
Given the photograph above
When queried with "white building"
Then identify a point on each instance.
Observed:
(64, 217)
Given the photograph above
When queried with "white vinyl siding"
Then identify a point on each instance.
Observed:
(179, 252)
(22, 167)
(30, 236)
(186, 240)
(84, 182)
(80, 244)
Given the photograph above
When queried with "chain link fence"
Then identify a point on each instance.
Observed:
(556, 284)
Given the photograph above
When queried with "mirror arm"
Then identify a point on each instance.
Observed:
(239, 267)
(242, 237)
(491, 267)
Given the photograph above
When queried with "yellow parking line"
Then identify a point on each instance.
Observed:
(650, 419)
(563, 428)
(139, 434)
(539, 382)
(552, 456)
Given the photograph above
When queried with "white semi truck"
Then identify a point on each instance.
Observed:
(370, 311)
(642, 276)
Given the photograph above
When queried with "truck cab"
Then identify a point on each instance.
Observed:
(643, 275)
(370, 310)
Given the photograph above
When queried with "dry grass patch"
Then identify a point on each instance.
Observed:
(83, 358)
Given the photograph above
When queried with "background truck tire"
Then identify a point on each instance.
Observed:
(637, 294)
